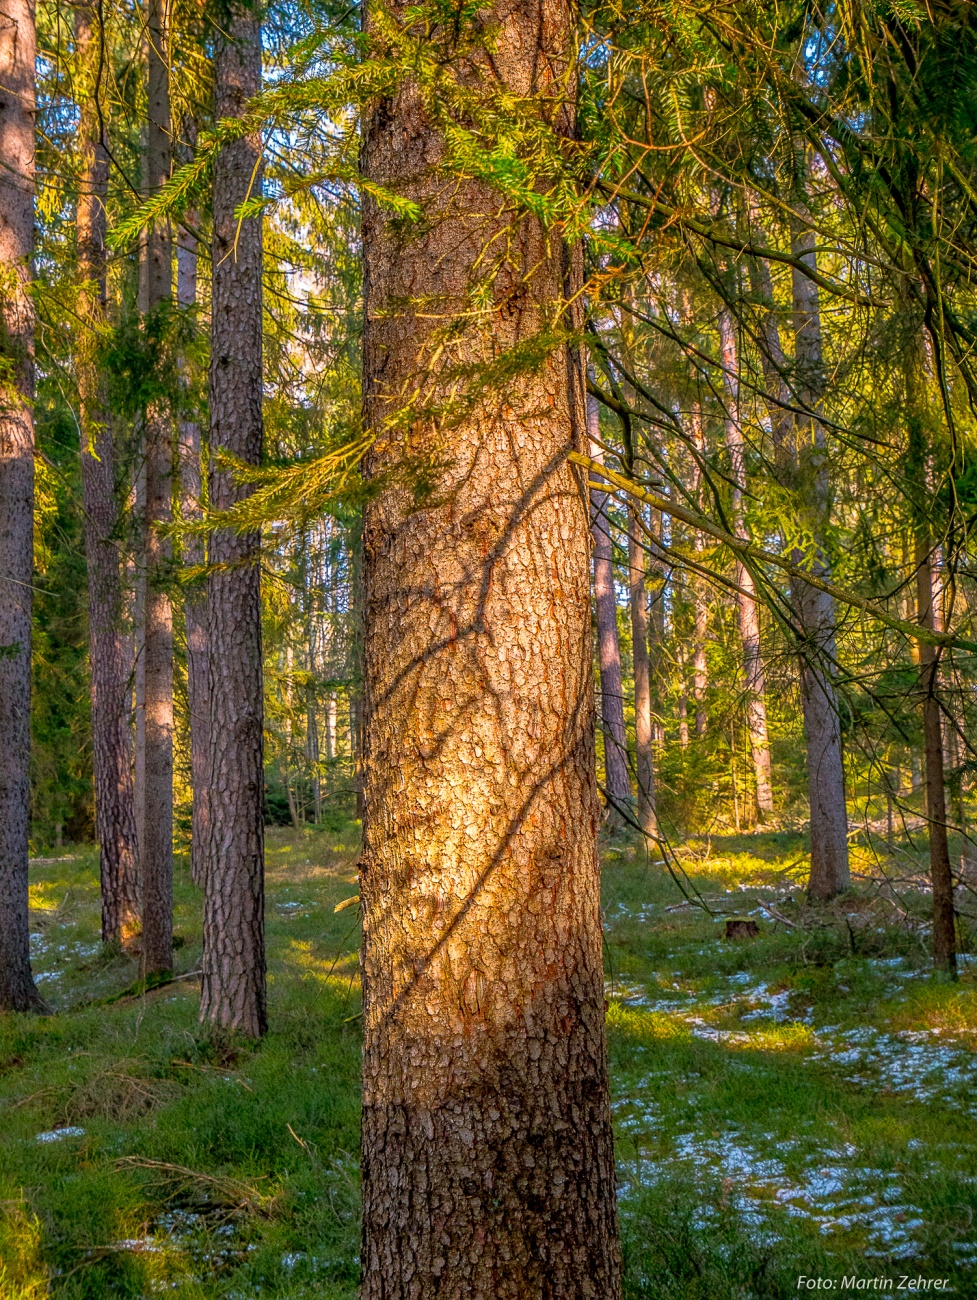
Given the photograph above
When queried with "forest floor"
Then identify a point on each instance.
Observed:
(799, 1103)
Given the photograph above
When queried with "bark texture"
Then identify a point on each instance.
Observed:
(195, 605)
(157, 837)
(115, 823)
(617, 784)
(17, 107)
(814, 609)
(234, 937)
(487, 1158)
(749, 616)
(638, 599)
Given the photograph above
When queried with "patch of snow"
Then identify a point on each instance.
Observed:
(56, 1134)
(831, 1194)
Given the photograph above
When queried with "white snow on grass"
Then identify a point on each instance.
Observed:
(830, 1189)
(56, 1134)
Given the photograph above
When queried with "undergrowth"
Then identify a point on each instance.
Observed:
(802, 1102)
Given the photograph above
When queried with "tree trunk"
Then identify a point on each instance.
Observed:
(487, 1159)
(17, 106)
(157, 847)
(749, 618)
(617, 784)
(195, 604)
(115, 823)
(700, 667)
(234, 995)
(814, 609)
(638, 599)
(941, 875)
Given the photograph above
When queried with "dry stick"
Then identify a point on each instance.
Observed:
(758, 553)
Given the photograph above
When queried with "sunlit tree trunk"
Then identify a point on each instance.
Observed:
(234, 995)
(195, 604)
(17, 107)
(115, 823)
(616, 781)
(814, 609)
(487, 1159)
(638, 601)
(157, 845)
(749, 618)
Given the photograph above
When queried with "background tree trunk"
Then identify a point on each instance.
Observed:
(234, 995)
(815, 610)
(617, 784)
(157, 847)
(749, 616)
(700, 593)
(107, 648)
(638, 598)
(195, 605)
(17, 101)
(487, 1158)
(941, 874)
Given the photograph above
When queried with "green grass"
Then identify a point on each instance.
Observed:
(802, 1102)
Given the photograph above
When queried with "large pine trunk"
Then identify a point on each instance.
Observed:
(108, 656)
(617, 786)
(815, 609)
(487, 1158)
(234, 938)
(17, 99)
(156, 864)
(749, 617)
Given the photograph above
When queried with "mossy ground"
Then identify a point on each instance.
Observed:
(803, 1102)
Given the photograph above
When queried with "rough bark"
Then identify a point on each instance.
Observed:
(487, 1158)
(941, 874)
(156, 863)
(234, 995)
(195, 604)
(749, 617)
(638, 601)
(814, 609)
(617, 784)
(17, 107)
(115, 823)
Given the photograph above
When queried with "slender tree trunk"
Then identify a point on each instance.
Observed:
(157, 847)
(234, 995)
(638, 599)
(331, 727)
(700, 668)
(941, 874)
(749, 618)
(683, 701)
(115, 823)
(195, 605)
(138, 662)
(815, 609)
(617, 784)
(487, 1159)
(656, 584)
(17, 106)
